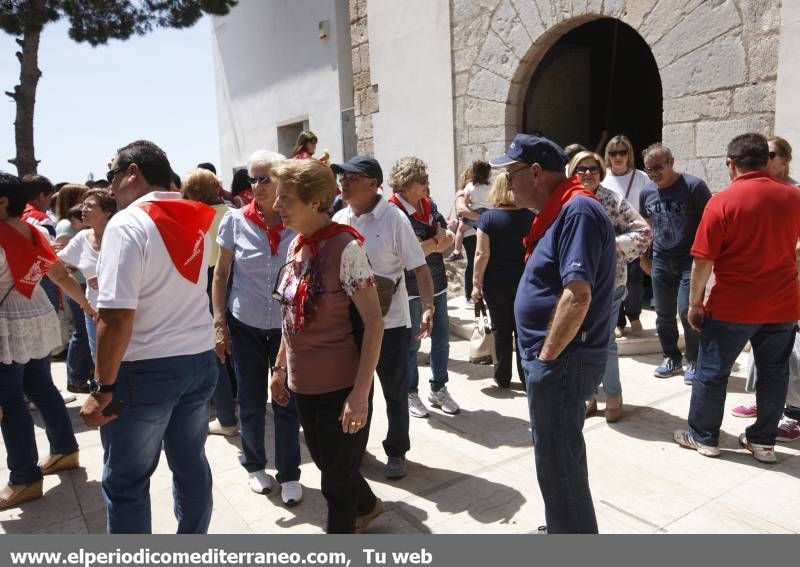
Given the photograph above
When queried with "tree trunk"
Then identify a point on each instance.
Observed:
(24, 94)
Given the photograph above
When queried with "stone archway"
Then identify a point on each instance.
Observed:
(717, 60)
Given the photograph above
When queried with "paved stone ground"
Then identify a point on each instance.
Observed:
(473, 472)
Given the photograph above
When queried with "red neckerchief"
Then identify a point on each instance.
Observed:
(252, 213)
(183, 226)
(423, 216)
(565, 191)
(31, 212)
(27, 259)
(312, 242)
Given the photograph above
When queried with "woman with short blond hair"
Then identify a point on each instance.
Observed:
(499, 263)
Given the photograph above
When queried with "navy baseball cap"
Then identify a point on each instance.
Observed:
(533, 149)
(361, 164)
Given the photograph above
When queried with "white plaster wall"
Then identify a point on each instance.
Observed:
(271, 68)
(409, 47)
(787, 109)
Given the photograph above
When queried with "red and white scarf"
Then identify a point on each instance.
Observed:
(563, 194)
(252, 213)
(28, 259)
(183, 226)
(312, 242)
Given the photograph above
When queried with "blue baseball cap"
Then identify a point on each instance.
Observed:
(369, 166)
(529, 149)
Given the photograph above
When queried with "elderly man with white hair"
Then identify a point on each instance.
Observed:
(247, 324)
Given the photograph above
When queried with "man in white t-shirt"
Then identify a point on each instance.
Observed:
(156, 368)
(392, 247)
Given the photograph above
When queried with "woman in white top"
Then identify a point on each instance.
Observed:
(623, 178)
(29, 330)
(82, 251)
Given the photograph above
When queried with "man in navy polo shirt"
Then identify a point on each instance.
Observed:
(562, 311)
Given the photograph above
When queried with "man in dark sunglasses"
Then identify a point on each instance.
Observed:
(673, 204)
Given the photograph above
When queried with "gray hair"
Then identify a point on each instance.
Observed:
(657, 148)
(263, 158)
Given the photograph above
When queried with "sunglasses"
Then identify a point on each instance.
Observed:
(510, 174)
(112, 173)
(349, 176)
(423, 180)
(583, 169)
(658, 168)
(773, 155)
(617, 153)
(259, 180)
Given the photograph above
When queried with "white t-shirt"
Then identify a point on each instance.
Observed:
(391, 246)
(135, 271)
(80, 254)
(619, 185)
(478, 196)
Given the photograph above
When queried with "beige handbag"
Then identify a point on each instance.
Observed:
(481, 344)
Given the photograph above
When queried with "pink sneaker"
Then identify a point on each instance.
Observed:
(745, 410)
(788, 430)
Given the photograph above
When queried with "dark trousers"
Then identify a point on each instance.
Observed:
(34, 381)
(632, 305)
(557, 391)
(338, 456)
(469, 243)
(79, 358)
(720, 344)
(254, 353)
(671, 278)
(394, 383)
(499, 295)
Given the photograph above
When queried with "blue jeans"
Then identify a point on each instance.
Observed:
(557, 391)
(91, 336)
(33, 380)
(254, 353)
(440, 343)
(79, 358)
(164, 401)
(671, 291)
(632, 306)
(720, 344)
(611, 383)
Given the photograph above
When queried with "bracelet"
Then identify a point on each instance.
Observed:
(275, 368)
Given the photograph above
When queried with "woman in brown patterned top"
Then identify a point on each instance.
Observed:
(332, 330)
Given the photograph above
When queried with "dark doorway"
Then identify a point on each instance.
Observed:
(599, 76)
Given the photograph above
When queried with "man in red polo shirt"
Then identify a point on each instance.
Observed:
(748, 235)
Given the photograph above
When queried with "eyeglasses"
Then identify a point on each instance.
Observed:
(510, 174)
(259, 180)
(112, 173)
(350, 176)
(658, 168)
(584, 169)
(617, 153)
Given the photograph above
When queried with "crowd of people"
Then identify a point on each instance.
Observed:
(194, 307)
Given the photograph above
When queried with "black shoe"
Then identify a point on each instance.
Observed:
(82, 389)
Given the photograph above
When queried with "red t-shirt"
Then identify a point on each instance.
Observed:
(750, 231)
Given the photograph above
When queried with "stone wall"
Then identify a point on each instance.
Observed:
(718, 62)
(365, 94)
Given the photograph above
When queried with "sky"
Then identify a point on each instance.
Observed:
(91, 101)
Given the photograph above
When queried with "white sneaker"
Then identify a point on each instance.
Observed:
(442, 399)
(291, 492)
(415, 406)
(67, 396)
(260, 482)
(761, 453)
(216, 428)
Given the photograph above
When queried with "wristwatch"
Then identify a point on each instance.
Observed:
(97, 387)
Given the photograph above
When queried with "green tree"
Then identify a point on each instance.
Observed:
(91, 21)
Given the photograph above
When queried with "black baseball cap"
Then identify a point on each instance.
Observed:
(529, 149)
(369, 166)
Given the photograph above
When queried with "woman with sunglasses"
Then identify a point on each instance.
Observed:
(332, 332)
(253, 244)
(633, 236)
(780, 158)
(625, 180)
